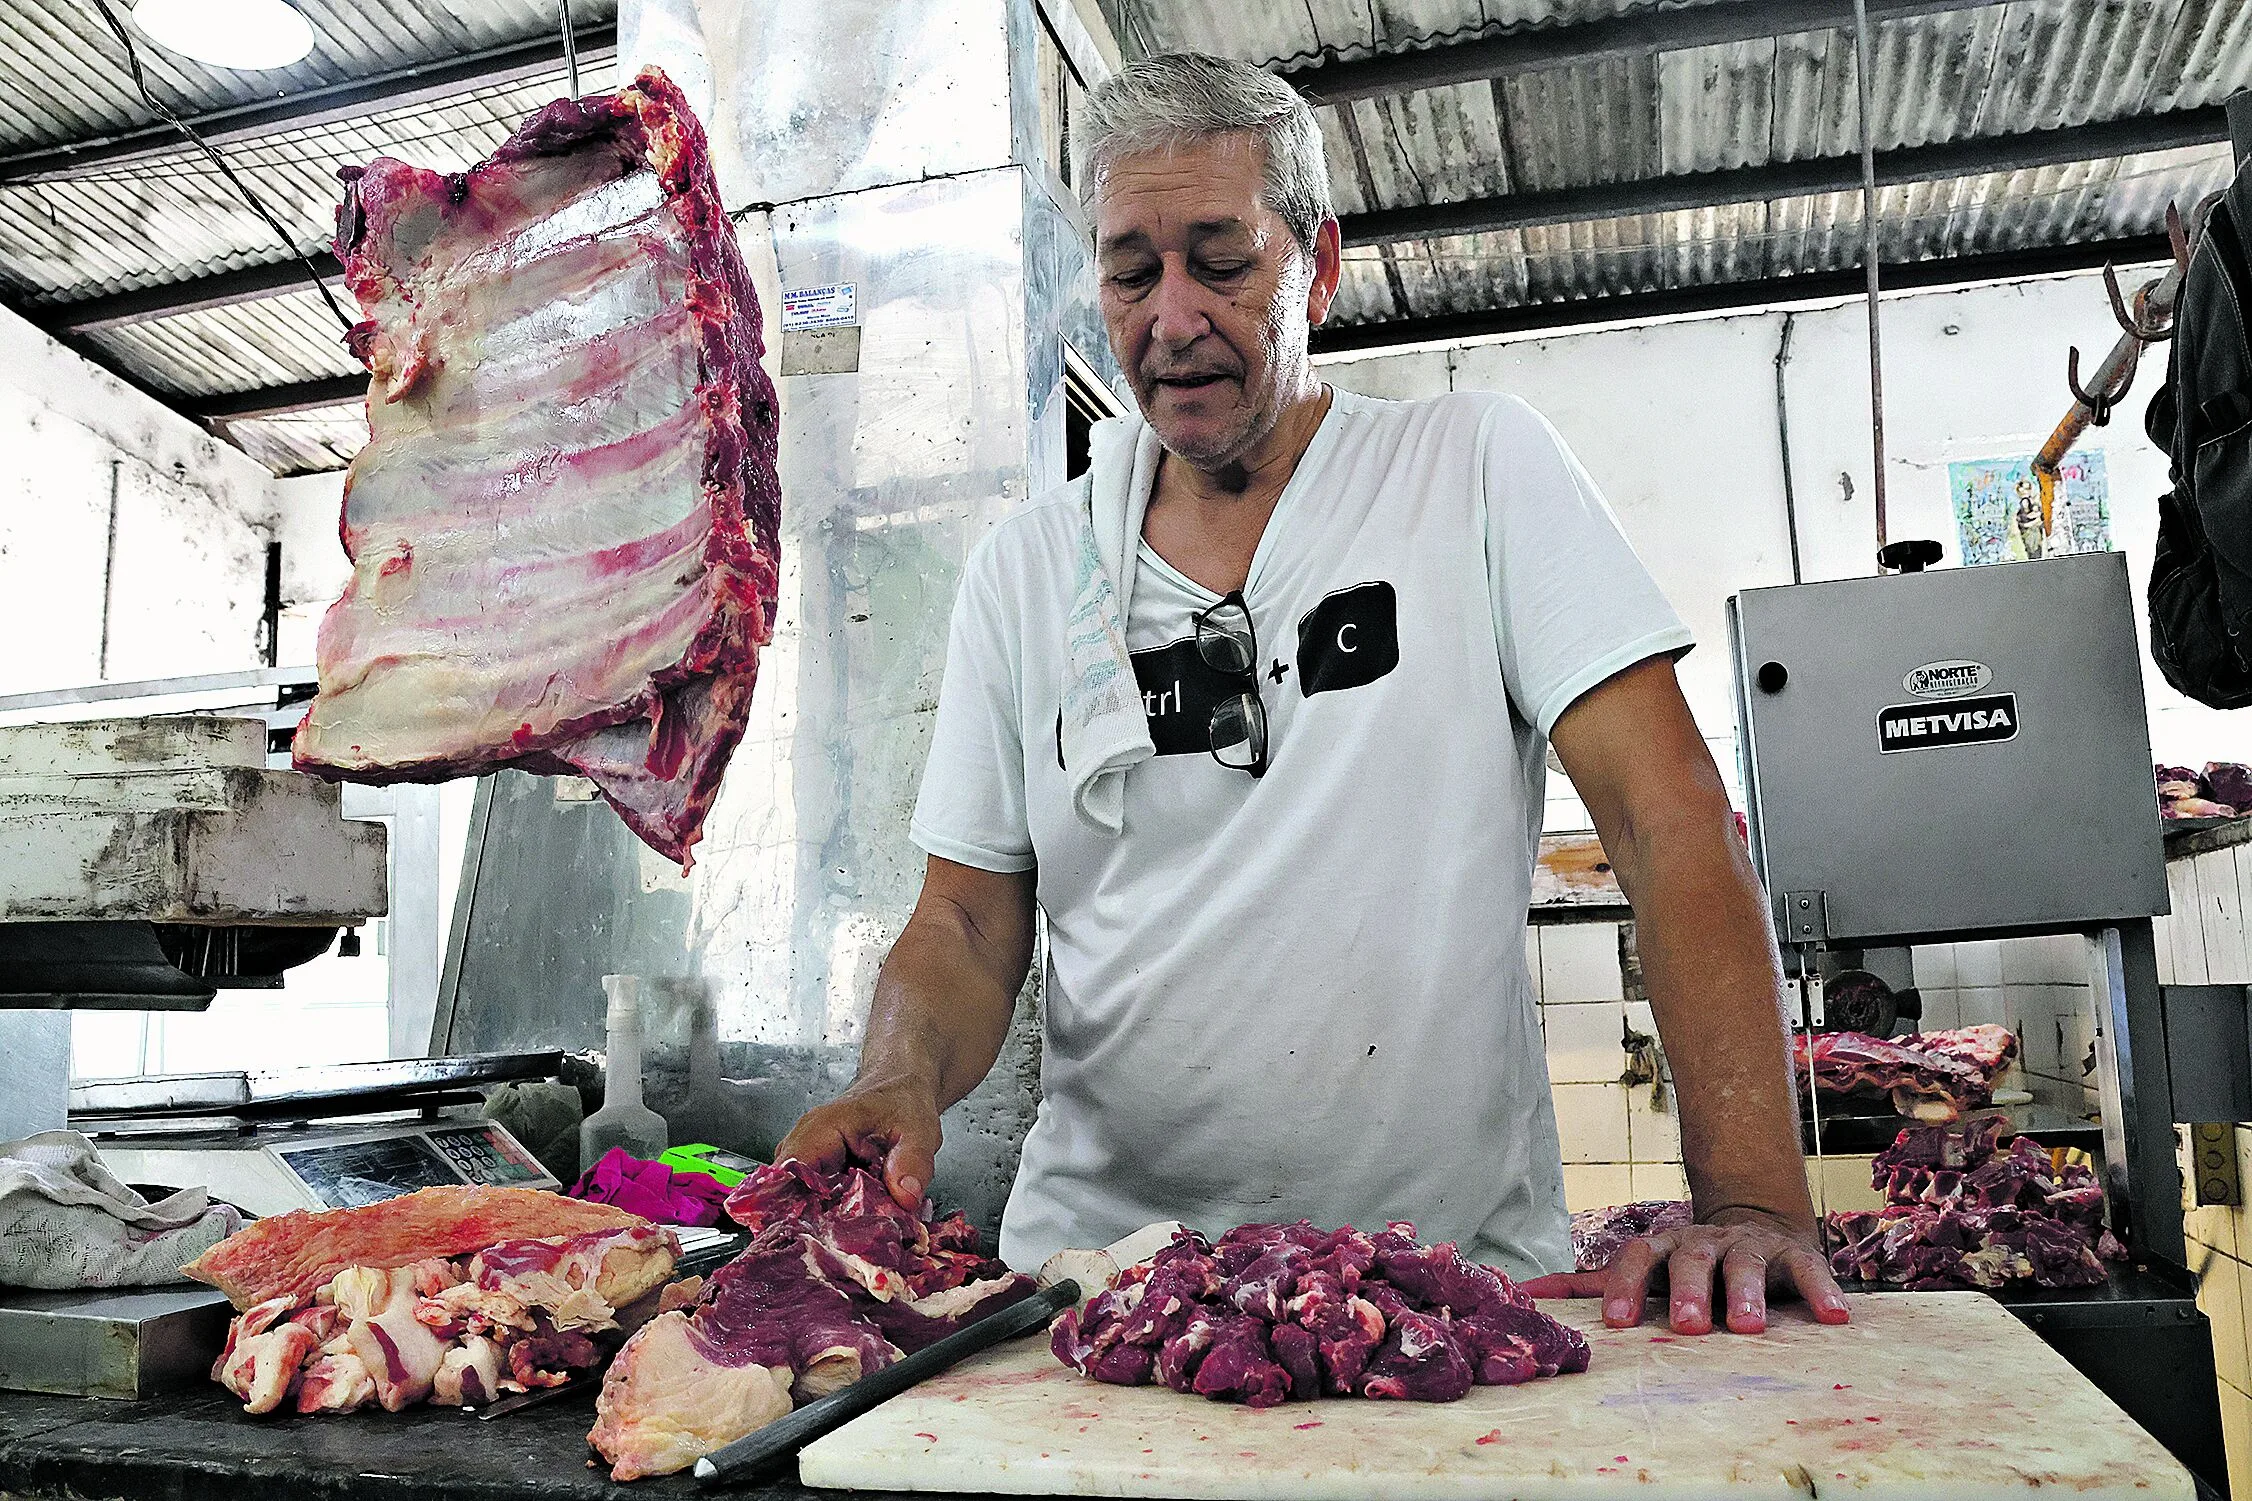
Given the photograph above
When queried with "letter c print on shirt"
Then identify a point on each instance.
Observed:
(1350, 639)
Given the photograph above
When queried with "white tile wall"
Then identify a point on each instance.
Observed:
(2187, 929)
(1583, 1041)
(1591, 1122)
(1981, 1006)
(1978, 964)
(2023, 962)
(2221, 1300)
(1652, 1135)
(2221, 904)
(1597, 1185)
(1935, 966)
(1942, 1010)
(1660, 1180)
(1580, 962)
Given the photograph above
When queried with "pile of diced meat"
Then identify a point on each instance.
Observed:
(1276, 1312)
(343, 1308)
(838, 1281)
(2222, 790)
(1960, 1211)
(1932, 1076)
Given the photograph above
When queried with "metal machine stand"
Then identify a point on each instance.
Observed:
(2141, 1179)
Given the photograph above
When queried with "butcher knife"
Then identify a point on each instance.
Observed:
(785, 1436)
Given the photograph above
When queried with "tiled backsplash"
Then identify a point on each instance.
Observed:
(1618, 1144)
(1618, 1147)
(2204, 943)
(2038, 988)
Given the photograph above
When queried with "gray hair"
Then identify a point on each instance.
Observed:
(1178, 97)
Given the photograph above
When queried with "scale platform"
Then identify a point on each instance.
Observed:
(116, 1342)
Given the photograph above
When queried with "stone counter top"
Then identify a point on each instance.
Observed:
(2203, 836)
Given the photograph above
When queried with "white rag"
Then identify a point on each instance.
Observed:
(66, 1221)
(1105, 732)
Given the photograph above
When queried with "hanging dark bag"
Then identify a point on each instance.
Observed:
(2201, 573)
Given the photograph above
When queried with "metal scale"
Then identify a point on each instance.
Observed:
(1964, 754)
(145, 863)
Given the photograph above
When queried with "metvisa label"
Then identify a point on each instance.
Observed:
(1967, 721)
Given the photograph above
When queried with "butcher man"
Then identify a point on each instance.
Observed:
(1257, 713)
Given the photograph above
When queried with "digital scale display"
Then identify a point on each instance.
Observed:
(346, 1174)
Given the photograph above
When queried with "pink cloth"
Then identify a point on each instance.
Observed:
(651, 1190)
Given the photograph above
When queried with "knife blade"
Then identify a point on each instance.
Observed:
(785, 1436)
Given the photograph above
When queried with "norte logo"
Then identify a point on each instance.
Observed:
(1948, 679)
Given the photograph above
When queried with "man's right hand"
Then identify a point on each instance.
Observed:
(941, 1010)
(892, 1123)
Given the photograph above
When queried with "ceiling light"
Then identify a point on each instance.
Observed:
(245, 34)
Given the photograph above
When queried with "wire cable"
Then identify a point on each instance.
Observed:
(211, 154)
(570, 50)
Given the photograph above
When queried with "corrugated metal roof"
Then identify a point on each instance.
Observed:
(170, 217)
(62, 77)
(274, 341)
(1755, 241)
(304, 442)
(2002, 69)
(1998, 70)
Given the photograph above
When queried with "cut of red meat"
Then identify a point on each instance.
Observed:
(565, 526)
(2229, 782)
(1600, 1234)
(431, 1329)
(1933, 1077)
(290, 1255)
(1275, 1312)
(1962, 1211)
(838, 1281)
(1987, 1048)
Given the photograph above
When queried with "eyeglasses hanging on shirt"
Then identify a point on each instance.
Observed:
(1226, 641)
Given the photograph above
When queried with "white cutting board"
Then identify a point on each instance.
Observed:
(1924, 1395)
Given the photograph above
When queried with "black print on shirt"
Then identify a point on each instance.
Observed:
(1179, 690)
(1350, 639)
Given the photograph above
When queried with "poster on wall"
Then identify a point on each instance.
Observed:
(1998, 509)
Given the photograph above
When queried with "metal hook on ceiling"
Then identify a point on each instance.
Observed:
(2135, 320)
(2107, 394)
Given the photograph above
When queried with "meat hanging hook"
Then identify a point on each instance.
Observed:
(2108, 394)
(2177, 235)
(2133, 320)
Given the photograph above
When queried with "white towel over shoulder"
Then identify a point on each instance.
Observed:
(1105, 732)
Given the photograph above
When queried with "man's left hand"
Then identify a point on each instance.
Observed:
(1744, 1260)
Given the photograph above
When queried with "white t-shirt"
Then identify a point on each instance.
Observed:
(1305, 995)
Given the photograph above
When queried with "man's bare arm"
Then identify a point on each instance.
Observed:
(1702, 928)
(942, 1007)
